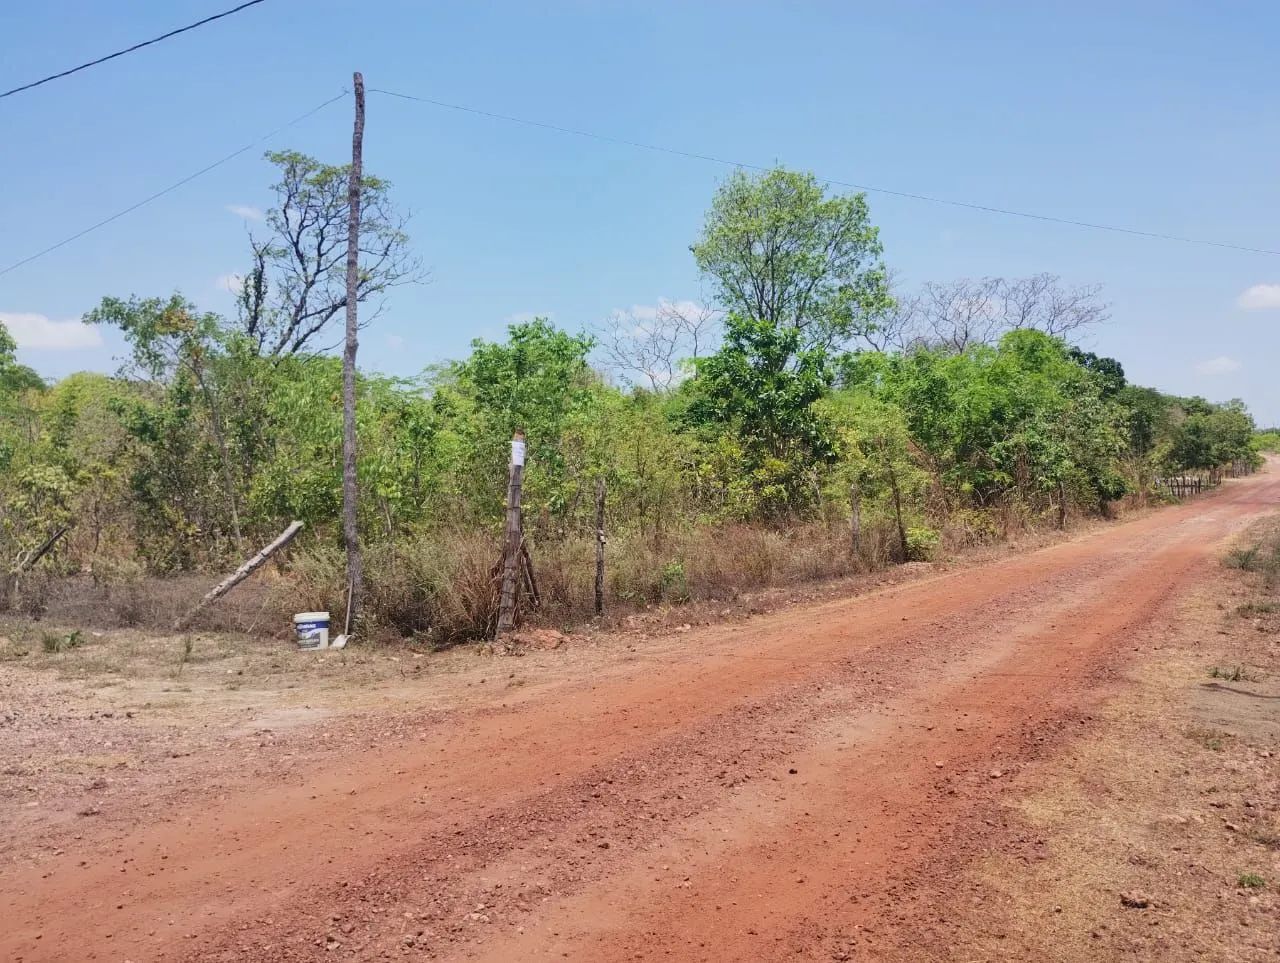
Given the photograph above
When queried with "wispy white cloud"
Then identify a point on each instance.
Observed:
(1260, 297)
(524, 317)
(395, 342)
(229, 282)
(665, 308)
(1218, 366)
(38, 331)
(246, 211)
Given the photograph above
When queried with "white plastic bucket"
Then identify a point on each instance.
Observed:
(312, 629)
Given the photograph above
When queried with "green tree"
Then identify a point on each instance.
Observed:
(1108, 371)
(14, 377)
(756, 396)
(173, 342)
(778, 250)
(1018, 419)
(1210, 436)
(538, 381)
(877, 460)
(18, 383)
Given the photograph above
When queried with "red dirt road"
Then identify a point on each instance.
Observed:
(765, 791)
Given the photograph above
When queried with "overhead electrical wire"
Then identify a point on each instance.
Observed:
(969, 205)
(129, 50)
(174, 186)
(641, 145)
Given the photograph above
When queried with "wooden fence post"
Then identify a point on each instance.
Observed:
(600, 545)
(512, 540)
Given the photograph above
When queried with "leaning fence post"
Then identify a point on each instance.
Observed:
(240, 574)
(30, 561)
(512, 539)
(600, 545)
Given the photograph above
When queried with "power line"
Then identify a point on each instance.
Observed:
(657, 148)
(129, 50)
(172, 187)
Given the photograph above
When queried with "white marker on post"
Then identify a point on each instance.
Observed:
(517, 452)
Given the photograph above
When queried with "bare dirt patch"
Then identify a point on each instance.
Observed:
(815, 782)
(1155, 833)
(120, 727)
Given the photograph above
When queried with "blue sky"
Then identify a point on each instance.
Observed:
(1160, 116)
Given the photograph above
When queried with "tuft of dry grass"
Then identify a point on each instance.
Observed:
(440, 586)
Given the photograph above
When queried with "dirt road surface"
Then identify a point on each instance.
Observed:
(766, 790)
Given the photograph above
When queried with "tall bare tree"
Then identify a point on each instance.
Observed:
(297, 283)
(956, 315)
(897, 326)
(962, 313)
(652, 346)
(1042, 303)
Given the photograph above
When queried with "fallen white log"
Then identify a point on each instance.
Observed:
(240, 574)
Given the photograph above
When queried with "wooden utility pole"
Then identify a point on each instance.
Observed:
(855, 521)
(350, 492)
(512, 539)
(600, 545)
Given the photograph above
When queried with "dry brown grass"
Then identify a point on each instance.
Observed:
(440, 587)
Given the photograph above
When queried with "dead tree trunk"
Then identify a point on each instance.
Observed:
(350, 490)
(240, 574)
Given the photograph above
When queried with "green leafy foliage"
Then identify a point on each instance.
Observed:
(217, 432)
(754, 399)
(780, 251)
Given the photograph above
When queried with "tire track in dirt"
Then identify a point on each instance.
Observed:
(653, 812)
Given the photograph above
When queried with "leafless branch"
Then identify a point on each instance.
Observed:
(652, 345)
(956, 315)
(297, 285)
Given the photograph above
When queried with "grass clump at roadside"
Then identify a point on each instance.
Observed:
(1236, 674)
(53, 642)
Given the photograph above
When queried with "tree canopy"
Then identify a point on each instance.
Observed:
(801, 394)
(777, 249)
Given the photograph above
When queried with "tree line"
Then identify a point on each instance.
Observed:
(806, 387)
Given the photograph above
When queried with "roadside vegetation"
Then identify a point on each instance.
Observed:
(737, 439)
(1268, 440)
